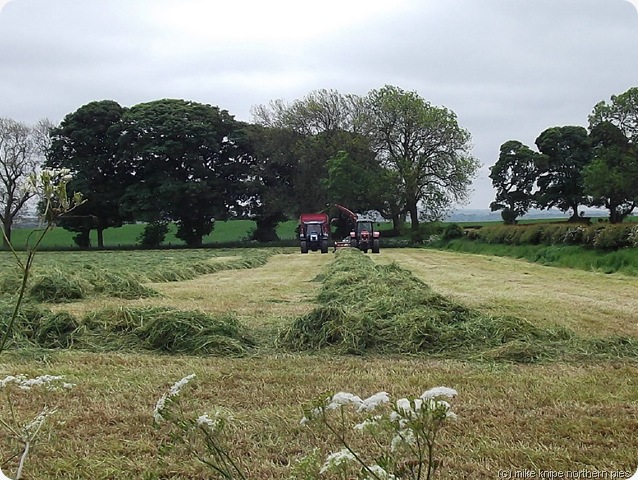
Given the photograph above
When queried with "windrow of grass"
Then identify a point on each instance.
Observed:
(624, 260)
(365, 307)
(110, 275)
(157, 329)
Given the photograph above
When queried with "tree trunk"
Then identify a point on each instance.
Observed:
(396, 224)
(414, 216)
(6, 226)
(574, 217)
(100, 237)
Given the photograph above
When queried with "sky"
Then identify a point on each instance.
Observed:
(509, 69)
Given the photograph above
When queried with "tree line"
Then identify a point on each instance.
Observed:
(574, 166)
(191, 164)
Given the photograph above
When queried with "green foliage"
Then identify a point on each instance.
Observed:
(611, 179)
(425, 146)
(600, 236)
(87, 142)
(154, 234)
(513, 176)
(452, 230)
(566, 152)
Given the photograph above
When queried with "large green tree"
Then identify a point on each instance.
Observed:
(566, 151)
(611, 179)
(187, 165)
(513, 176)
(425, 147)
(87, 142)
(272, 160)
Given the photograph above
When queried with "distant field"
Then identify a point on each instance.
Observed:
(128, 235)
(554, 415)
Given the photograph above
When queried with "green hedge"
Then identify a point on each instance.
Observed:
(601, 236)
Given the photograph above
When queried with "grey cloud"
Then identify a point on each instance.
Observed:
(508, 68)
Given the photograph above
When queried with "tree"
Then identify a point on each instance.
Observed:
(513, 176)
(271, 189)
(324, 122)
(622, 112)
(187, 165)
(361, 184)
(425, 147)
(20, 156)
(566, 152)
(87, 142)
(611, 179)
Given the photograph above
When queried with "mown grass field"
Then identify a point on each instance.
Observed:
(573, 410)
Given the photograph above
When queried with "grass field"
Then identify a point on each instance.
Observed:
(553, 415)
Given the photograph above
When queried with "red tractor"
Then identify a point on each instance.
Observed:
(363, 236)
(314, 230)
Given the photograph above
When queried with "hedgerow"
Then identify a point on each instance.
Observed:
(599, 236)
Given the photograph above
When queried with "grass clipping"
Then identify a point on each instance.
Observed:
(365, 307)
(157, 329)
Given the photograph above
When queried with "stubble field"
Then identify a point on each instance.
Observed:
(552, 414)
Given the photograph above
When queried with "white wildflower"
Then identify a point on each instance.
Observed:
(404, 407)
(174, 391)
(380, 473)
(404, 437)
(368, 423)
(336, 459)
(374, 401)
(342, 399)
(205, 420)
(217, 422)
(312, 415)
(31, 428)
(159, 408)
(438, 392)
(25, 383)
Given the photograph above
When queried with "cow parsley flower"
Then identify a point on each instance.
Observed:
(368, 423)
(336, 459)
(374, 401)
(342, 399)
(438, 392)
(380, 473)
(173, 392)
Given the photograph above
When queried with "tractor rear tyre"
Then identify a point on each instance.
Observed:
(304, 247)
(324, 246)
(375, 246)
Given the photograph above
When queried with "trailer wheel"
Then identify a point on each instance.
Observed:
(375, 246)
(324, 246)
(304, 247)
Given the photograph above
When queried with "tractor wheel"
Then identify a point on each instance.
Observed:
(304, 247)
(375, 246)
(324, 246)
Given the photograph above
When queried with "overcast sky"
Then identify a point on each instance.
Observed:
(508, 68)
